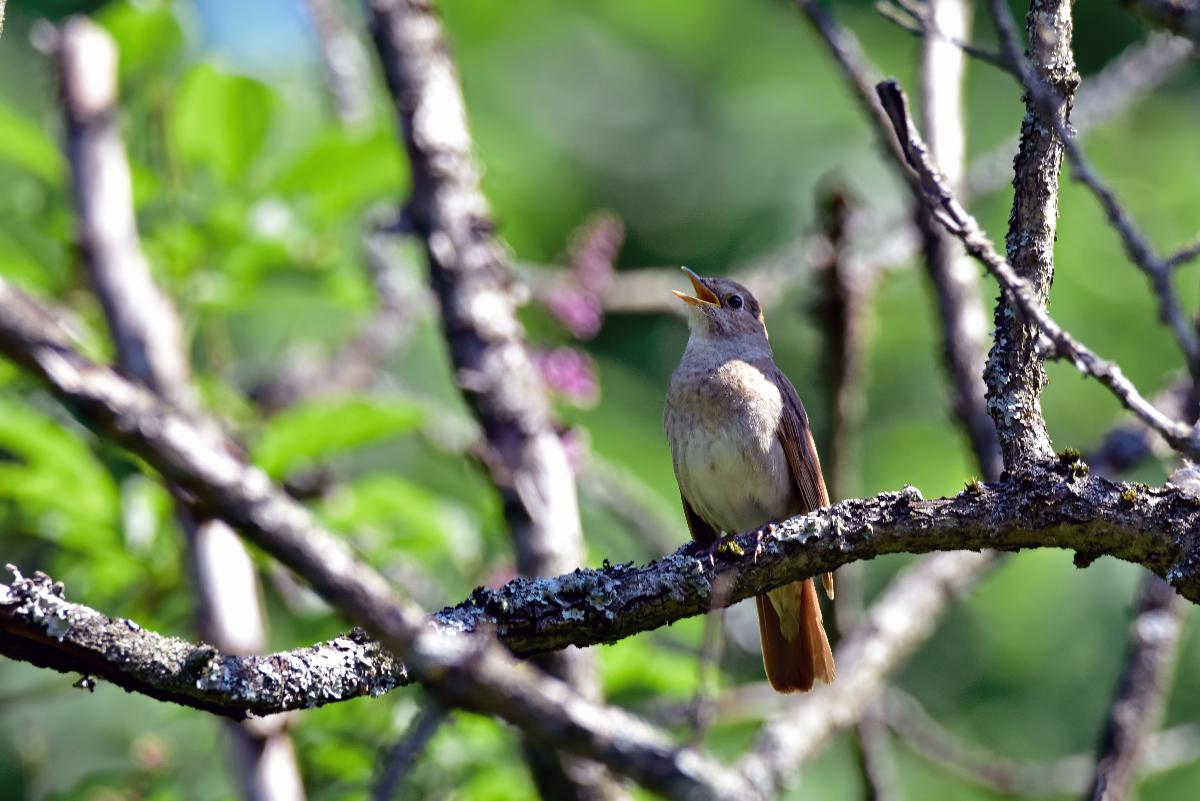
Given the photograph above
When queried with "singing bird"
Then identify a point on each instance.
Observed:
(744, 457)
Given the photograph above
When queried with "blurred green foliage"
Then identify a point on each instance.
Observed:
(708, 127)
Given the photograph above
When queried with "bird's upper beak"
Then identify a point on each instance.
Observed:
(704, 296)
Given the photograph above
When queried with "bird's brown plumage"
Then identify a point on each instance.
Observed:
(744, 456)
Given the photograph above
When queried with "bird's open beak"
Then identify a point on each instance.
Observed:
(704, 296)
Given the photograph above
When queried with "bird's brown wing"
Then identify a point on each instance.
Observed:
(701, 531)
(801, 450)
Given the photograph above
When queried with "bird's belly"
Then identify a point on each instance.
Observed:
(734, 479)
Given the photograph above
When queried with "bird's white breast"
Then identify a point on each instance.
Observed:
(722, 424)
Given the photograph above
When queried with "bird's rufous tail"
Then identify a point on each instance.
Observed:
(794, 646)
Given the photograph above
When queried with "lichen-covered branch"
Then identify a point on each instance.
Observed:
(1053, 340)
(471, 275)
(1015, 372)
(471, 672)
(1062, 508)
(40, 626)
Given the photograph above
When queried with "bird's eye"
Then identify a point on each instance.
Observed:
(734, 302)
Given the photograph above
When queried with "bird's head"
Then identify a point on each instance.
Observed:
(722, 309)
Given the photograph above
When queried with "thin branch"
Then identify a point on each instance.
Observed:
(954, 279)
(150, 348)
(405, 752)
(881, 779)
(888, 240)
(1140, 695)
(1067, 775)
(1182, 256)
(1048, 101)
(1023, 296)
(920, 22)
(1131, 442)
(469, 272)
(843, 299)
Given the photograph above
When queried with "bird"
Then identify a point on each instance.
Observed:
(744, 457)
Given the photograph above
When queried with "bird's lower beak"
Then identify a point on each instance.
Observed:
(704, 296)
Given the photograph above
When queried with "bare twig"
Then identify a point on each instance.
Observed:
(841, 308)
(469, 272)
(150, 348)
(1123, 82)
(1182, 256)
(841, 304)
(1046, 99)
(1023, 297)
(923, 23)
(405, 752)
(1139, 699)
(1131, 442)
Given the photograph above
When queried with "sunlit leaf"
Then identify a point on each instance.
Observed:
(41, 464)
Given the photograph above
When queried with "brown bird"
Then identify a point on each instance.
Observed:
(744, 456)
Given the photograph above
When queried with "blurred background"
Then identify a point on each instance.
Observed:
(711, 130)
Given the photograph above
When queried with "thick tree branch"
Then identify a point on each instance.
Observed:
(470, 273)
(1015, 372)
(1063, 508)
(41, 627)
(472, 672)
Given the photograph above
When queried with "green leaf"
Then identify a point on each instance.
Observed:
(387, 513)
(220, 120)
(25, 144)
(41, 467)
(322, 428)
(340, 173)
(147, 34)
